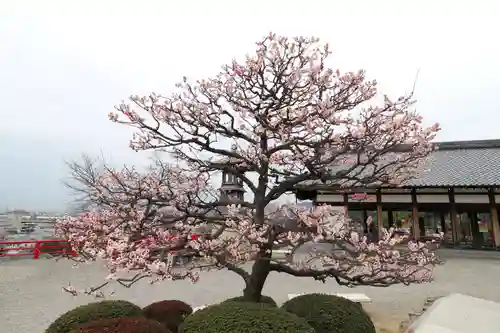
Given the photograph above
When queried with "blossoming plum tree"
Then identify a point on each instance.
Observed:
(282, 115)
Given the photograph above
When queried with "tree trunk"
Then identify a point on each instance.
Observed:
(260, 271)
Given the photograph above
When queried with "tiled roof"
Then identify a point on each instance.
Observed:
(465, 165)
(454, 164)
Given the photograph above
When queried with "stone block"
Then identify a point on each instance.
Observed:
(457, 313)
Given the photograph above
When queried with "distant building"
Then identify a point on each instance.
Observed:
(4, 220)
(18, 216)
(23, 222)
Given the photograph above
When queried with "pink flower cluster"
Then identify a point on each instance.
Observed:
(285, 93)
(128, 242)
(136, 214)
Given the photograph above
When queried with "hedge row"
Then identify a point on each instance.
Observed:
(313, 313)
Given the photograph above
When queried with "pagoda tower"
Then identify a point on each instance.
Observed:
(231, 188)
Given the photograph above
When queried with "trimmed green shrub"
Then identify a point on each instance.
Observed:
(122, 325)
(244, 317)
(263, 299)
(170, 313)
(330, 314)
(94, 311)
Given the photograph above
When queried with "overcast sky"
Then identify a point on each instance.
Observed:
(65, 64)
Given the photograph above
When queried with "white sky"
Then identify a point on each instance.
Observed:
(65, 64)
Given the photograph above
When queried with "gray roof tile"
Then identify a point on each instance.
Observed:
(453, 164)
(460, 167)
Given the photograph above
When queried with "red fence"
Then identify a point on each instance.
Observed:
(34, 248)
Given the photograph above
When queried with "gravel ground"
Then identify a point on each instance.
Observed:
(31, 296)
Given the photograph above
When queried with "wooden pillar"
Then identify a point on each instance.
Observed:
(494, 218)
(346, 204)
(414, 215)
(442, 219)
(380, 215)
(365, 217)
(390, 217)
(477, 237)
(453, 216)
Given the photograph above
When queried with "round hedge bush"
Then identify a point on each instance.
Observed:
(170, 313)
(244, 317)
(263, 299)
(330, 314)
(122, 325)
(94, 311)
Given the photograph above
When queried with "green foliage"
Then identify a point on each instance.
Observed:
(170, 313)
(94, 311)
(122, 325)
(330, 314)
(263, 299)
(244, 317)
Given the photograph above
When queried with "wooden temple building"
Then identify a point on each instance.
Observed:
(458, 193)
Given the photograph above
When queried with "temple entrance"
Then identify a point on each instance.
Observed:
(474, 229)
(402, 221)
(429, 222)
(471, 227)
(361, 216)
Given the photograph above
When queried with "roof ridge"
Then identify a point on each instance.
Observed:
(469, 144)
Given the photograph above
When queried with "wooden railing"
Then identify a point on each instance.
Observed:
(34, 248)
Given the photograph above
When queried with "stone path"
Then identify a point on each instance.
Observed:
(31, 293)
